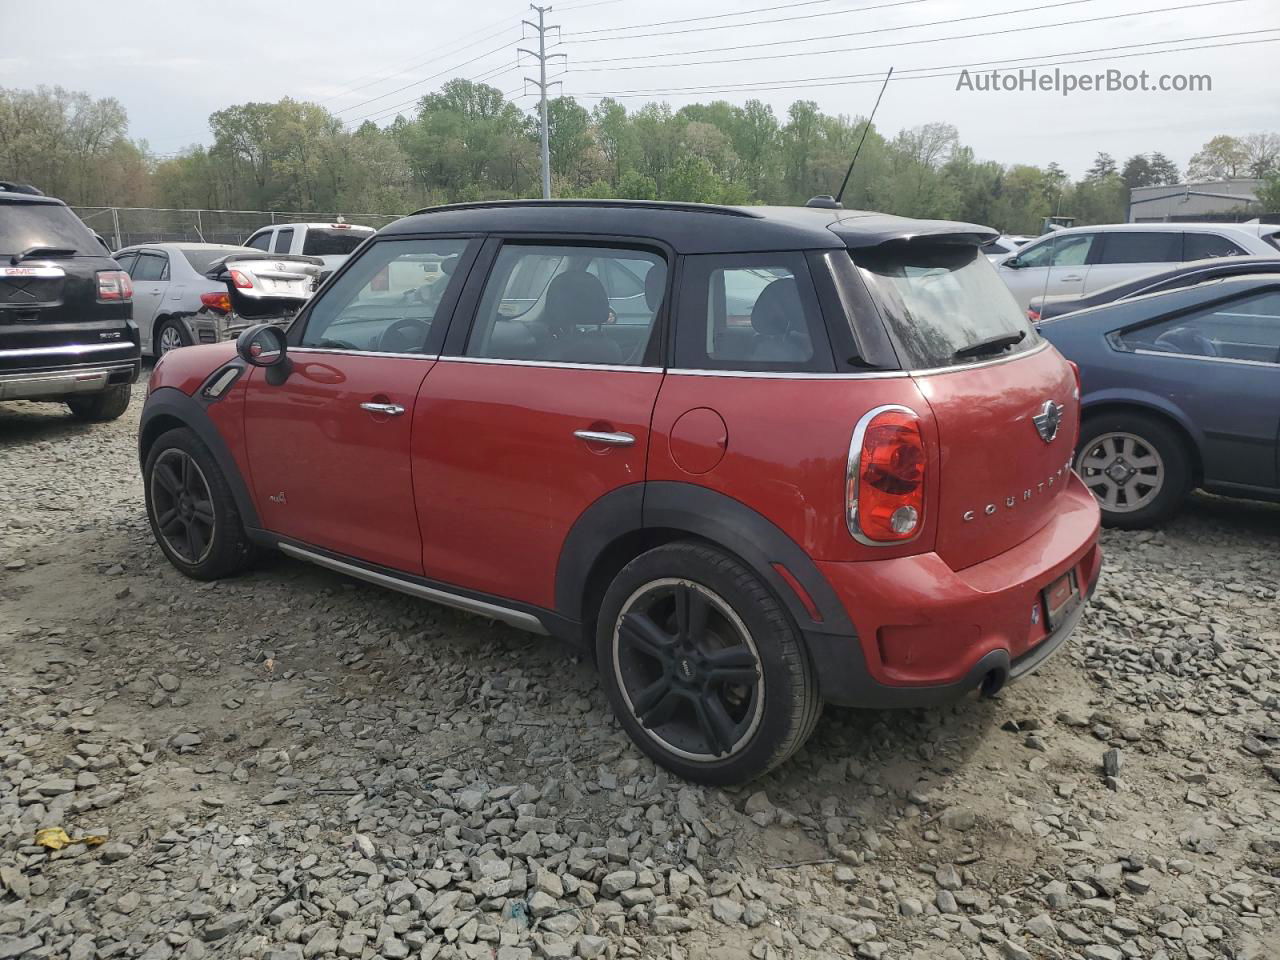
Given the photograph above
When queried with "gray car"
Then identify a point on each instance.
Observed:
(170, 287)
(1179, 390)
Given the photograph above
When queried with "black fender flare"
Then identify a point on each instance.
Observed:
(170, 402)
(708, 515)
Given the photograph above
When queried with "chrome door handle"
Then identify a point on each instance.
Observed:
(390, 409)
(1070, 279)
(608, 439)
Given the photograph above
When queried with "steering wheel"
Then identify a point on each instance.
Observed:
(402, 337)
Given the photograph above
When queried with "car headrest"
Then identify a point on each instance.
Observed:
(777, 308)
(448, 265)
(655, 285)
(575, 297)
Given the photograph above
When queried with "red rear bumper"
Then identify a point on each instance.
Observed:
(927, 633)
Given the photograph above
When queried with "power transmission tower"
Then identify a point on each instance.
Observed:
(541, 83)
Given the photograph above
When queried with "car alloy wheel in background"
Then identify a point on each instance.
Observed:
(1124, 471)
(688, 669)
(170, 339)
(183, 505)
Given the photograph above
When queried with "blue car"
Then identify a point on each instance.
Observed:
(1180, 390)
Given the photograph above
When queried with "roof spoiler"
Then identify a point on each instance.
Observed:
(934, 232)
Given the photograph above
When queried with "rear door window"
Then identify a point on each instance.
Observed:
(1155, 246)
(570, 304)
(1207, 246)
(746, 312)
(942, 302)
(284, 240)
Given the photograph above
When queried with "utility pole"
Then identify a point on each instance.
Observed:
(541, 83)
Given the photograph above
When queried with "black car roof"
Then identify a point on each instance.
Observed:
(689, 227)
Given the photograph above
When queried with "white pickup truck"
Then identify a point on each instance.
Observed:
(331, 242)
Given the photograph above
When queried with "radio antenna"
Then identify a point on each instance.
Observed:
(863, 139)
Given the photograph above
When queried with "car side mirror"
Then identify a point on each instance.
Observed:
(264, 345)
(1013, 263)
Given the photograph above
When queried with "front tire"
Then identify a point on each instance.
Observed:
(1137, 467)
(110, 404)
(703, 666)
(192, 513)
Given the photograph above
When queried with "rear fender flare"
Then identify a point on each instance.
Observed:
(169, 404)
(706, 515)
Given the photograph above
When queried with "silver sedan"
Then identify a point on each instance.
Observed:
(169, 287)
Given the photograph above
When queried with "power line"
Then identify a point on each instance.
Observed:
(447, 51)
(710, 16)
(541, 55)
(770, 22)
(921, 75)
(801, 82)
(897, 43)
(418, 83)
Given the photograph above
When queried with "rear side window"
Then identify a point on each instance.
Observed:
(284, 240)
(27, 225)
(332, 241)
(1141, 247)
(1206, 246)
(942, 302)
(755, 311)
(151, 266)
(1246, 328)
(570, 304)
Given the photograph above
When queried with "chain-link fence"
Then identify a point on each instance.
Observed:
(123, 226)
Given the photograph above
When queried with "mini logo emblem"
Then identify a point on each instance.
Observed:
(1048, 420)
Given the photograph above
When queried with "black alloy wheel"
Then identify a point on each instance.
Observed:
(688, 669)
(183, 506)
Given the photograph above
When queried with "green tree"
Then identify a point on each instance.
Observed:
(1223, 157)
(1163, 170)
(1104, 166)
(1137, 172)
(1269, 194)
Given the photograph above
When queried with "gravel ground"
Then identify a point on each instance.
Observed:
(293, 765)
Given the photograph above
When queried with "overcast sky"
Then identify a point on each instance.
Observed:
(172, 63)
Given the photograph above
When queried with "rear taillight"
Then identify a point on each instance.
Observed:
(1075, 370)
(1033, 314)
(885, 486)
(114, 286)
(241, 281)
(221, 302)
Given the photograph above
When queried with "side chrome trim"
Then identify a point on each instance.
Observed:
(554, 364)
(608, 439)
(364, 353)
(851, 478)
(68, 350)
(1196, 356)
(515, 618)
(768, 375)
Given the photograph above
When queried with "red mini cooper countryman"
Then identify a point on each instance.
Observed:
(754, 459)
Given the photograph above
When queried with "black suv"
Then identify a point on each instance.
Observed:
(66, 318)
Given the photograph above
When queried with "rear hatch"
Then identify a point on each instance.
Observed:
(265, 285)
(1004, 401)
(51, 300)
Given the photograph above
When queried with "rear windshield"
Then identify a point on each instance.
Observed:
(332, 241)
(940, 302)
(1273, 239)
(202, 258)
(27, 225)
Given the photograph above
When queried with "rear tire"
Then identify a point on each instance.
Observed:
(110, 404)
(1137, 466)
(170, 335)
(695, 643)
(191, 509)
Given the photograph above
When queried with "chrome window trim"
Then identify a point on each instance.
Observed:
(363, 353)
(68, 350)
(793, 375)
(851, 478)
(554, 364)
(1196, 356)
(516, 618)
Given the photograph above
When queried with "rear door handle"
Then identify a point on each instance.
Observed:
(1071, 279)
(390, 409)
(608, 439)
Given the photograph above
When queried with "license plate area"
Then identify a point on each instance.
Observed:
(1060, 598)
